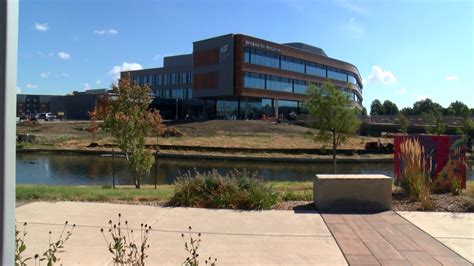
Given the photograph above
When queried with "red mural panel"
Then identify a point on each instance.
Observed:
(447, 155)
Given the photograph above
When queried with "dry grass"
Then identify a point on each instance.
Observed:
(413, 177)
(216, 133)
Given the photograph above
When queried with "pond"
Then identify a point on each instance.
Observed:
(68, 169)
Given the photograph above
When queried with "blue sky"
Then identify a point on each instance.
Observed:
(404, 50)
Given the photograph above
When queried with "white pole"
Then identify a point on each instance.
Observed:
(8, 65)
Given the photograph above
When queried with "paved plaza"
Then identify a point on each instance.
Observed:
(248, 237)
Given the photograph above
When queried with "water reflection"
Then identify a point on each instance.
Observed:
(60, 169)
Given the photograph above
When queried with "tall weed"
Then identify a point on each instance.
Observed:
(414, 175)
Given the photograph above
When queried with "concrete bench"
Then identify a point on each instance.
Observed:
(352, 193)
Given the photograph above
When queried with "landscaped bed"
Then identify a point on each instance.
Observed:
(292, 196)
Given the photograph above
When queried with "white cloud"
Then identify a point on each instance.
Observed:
(352, 28)
(86, 86)
(97, 82)
(65, 75)
(451, 77)
(45, 74)
(18, 90)
(64, 56)
(41, 27)
(115, 71)
(109, 32)
(31, 86)
(401, 91)
(380, 76)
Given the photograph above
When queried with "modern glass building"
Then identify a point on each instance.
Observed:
(239, 76)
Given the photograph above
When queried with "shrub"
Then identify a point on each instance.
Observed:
(414, 178)
(171, 132)
(234, 190)
(455, 186)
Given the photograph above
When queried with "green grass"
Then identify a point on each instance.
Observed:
(93, 193)
(293, 190)
(287, 190)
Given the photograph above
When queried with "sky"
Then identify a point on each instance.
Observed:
(405, 51)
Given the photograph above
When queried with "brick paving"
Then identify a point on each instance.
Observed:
(387, 239)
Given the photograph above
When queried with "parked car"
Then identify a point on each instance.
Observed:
(47, 116)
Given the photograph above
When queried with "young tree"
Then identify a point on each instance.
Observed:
(403, 122)
(333, 115)
(127, 117)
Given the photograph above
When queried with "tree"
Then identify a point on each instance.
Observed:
(335, 118)
(129, 120)
(403, 122)
(458, 108)
(376, 108)
(364, 111)
(427, 106)
(440, 127)
(468, 127)
(407, 111)
(390, 108)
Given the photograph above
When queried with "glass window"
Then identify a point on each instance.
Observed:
(159, 79)
(190, 77)
(165, 79)
(173, 78)
(254, 80)
(286, 85)
(334, 73)
(316, 70)
(247, 55)
(300, 86)
(177, 94)
(226, 109)
(292, 64)
(279, 83)
(189, 92)
(272, 60)
(351, 78)
(184, 77)
(267, 107)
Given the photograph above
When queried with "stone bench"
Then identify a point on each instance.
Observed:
(333, 193)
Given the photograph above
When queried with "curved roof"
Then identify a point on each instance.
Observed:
(306, 47)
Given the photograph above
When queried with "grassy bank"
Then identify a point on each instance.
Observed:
(93, 193)
(163, 193)
(232, 134)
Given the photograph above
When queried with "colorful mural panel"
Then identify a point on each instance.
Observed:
(446, 155)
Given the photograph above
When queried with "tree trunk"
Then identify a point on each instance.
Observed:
(334, 166)
(136, 180)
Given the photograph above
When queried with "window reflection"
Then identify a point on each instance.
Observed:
(274, 60)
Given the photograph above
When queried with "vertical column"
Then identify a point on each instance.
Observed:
(8, 65)
(276, 107)
(246, 107)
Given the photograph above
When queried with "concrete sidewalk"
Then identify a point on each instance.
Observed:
(256, 237)
(455, 230)
(234, 237)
